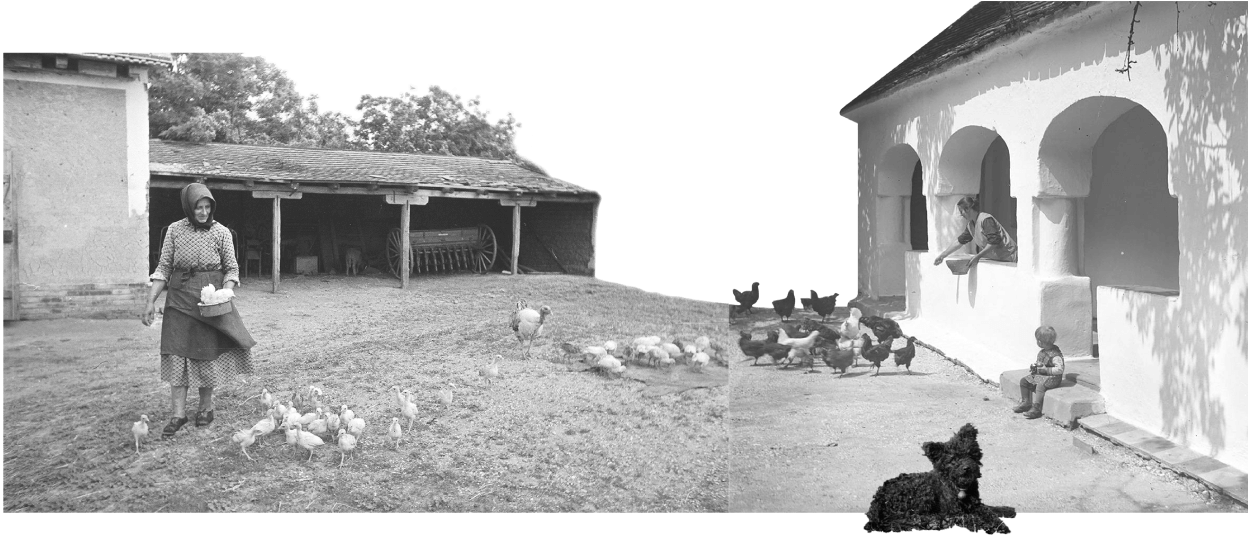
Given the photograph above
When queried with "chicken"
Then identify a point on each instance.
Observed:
(751, 348)
(610, 365)
(702, 343)
(281, 409)
(527, 324)
(318, 426)
(876, 354)
(803, 357)
(292, 416)
(593, 353)
(882, 328)
(774, 349)
(139, 429)
(823, 305)
(396, 431)
(307, 440)
(905, 355)
(784, 307)
(409, 409)
(611, 347)
(266, 399)
(746, 298)
(657, 355)
(245, 438)
(804, 343)
(646, 341)
(570, 350)
(356, 427)
(346, 444)
(666, 362)
(345, 415)
(490, 371)
(307, 418)
(265, 426)
(314, 398)
(699, 360)
(446, 396)
(332, 423)
(674, 350)
(850, 327)
(840, 357)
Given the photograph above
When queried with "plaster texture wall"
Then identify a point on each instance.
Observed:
(79, 149)
(1050, 94)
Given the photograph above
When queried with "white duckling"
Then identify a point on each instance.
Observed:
(139, 429)
(307, 440)
(346, 443)
(245, 438)
(396, 431)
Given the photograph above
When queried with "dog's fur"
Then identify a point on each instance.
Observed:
(355, 260)
(946, 496)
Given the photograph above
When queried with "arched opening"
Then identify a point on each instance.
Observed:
(994, 187)
(917, 229)
(895, 217)
(1131, 222)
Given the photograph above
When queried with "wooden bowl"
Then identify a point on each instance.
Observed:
(214, 310)
(958, 266)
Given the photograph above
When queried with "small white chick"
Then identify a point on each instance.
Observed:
(702, 342)
(611, 347)
(409, 409)
(490, 372)
(346, 443)
(356, 427)
(318, 426)
(346, 414)
(699, 360)
(307, 440)
(396, 431)
(245, 438)
(265, 426)
(139, 429)
(446, 396)
(266, 399)
(333, 423)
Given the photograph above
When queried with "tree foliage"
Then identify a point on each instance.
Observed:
(247, 100)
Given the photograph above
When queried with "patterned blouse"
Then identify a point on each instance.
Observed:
(1050, 362)
(188, 247)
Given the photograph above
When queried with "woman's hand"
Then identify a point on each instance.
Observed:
(149, 314)
(939, 259)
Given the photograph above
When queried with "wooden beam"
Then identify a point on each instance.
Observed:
(276, 195)
(159, 181)
(593, 239)
(515, 238)
(407, 199)
(277, 242)
(518, 202)
(405, 225)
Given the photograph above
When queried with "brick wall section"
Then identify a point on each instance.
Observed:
(564, 227)
(97, 301)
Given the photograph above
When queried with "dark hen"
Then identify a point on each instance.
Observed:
(774, 349)
(823, 305)
(784, 307)
(883, 328)
(746, 298)
(904, 355)
(876, 354)
(840, 358)
(751, 348)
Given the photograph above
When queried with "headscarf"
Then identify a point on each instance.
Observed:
(191, 195)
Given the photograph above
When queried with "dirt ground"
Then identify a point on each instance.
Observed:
(825, 442)
(548, 437)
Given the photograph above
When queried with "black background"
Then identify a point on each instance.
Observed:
(721, 159)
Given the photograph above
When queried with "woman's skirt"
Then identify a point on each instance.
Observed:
(180, 371)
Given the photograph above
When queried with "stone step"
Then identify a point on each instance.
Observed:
(1085, 372)
(1065, 404)
(1219, 476)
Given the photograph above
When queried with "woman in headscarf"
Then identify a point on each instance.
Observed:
(197, 351)
(982, 229)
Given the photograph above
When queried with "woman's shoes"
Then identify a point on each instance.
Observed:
(173, 426)
(203, 418)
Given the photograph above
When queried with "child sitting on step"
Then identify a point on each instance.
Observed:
(1046, 373)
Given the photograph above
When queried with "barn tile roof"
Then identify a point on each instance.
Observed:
(163, 59)
(984, 25)
(277, 163)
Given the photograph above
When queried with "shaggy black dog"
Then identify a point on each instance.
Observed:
(946, 496)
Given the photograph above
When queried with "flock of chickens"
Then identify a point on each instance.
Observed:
(610, 357)
(311, 429)
(838, 347)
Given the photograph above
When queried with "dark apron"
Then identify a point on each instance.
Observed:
(186, 333)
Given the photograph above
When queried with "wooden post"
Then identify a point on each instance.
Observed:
(277, 242)
(515, 239)
(405, 226)
(277, 228)
(593, 240)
